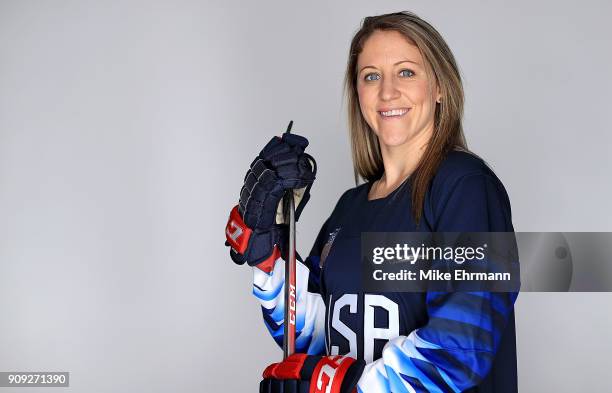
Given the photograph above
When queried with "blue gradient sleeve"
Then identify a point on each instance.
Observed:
(452, 353)
(268, 288)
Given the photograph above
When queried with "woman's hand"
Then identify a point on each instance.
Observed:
(304, 373)
(280, 166)
(255, 230)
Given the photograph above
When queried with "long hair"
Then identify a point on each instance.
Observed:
(442, 70)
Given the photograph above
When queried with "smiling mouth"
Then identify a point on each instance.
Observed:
(394, 113)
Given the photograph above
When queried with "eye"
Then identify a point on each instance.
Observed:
(371, 77)
(406, 73)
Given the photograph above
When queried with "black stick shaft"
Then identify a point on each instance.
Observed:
(290, 270)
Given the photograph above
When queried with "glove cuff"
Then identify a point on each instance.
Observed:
(237, 233)
(338, 373)
(255, 247)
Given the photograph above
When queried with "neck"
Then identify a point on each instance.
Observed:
(400, 161)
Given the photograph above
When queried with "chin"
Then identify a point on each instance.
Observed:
(392, 138)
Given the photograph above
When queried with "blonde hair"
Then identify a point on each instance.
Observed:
(442, 70)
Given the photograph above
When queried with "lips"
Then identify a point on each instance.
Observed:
(388, 113)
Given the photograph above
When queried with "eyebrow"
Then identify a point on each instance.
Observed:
(399, 62)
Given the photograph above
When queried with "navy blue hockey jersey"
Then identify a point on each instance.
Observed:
(412, 342)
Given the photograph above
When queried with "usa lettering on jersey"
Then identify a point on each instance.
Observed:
(370, 331)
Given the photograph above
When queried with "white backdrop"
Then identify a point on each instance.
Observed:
(126, 129)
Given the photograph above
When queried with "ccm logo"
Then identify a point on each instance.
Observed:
(292, 304)
(328, 368)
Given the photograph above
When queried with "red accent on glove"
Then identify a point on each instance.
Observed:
(268, 265)
(236, 232)
(330, 371)
(287, 369)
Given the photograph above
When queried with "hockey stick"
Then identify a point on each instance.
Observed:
(290, 296)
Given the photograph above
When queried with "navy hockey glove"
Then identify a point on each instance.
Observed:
(255, 229)
(301, 373)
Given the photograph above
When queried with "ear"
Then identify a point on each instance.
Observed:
(438, 95)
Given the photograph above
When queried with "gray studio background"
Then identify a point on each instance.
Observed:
(126, 129)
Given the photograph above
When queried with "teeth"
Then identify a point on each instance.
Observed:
(394, 112)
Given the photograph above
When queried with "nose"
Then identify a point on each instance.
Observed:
(388, 89)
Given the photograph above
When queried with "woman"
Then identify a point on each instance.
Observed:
(405, 103)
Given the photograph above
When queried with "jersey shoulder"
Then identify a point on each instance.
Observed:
(457, 166)
(348, 199)
(459, 163)
(458, 169)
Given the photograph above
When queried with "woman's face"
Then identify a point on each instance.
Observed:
(393, 88)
